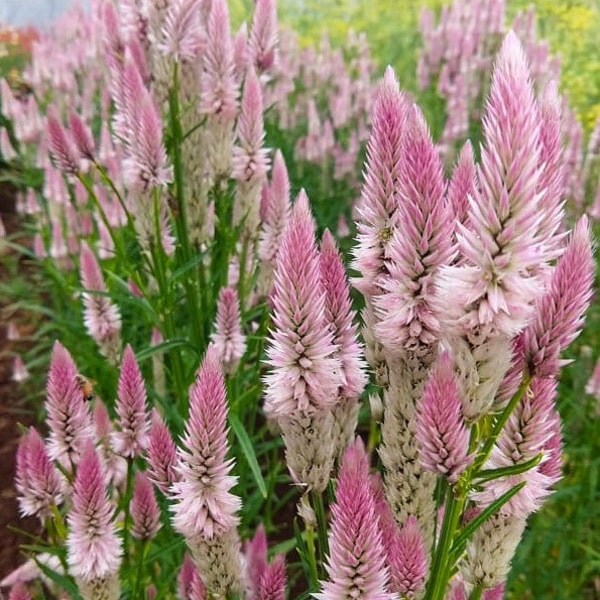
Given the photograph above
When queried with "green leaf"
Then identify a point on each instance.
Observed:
(248, 450)
(517, 469)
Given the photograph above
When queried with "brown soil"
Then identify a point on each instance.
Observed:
(13, 411)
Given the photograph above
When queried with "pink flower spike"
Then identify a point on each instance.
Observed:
(61, 145)
(19, 592)
(356, 563)
(37, 480)
(161, 454)
(82, 136)
(256, 561)
(182, 32)
(228, 339)
(340, 318)
(463, 183)
(144, 509)
(132, 437)
(273, 581)
(189, 583)
(262, 45)
(440, 427)
(250, 160)
(20, 372)
(94, 549)
(560, 311)
(203, 503)
(68, 415)
(304, 376)
(408, 560)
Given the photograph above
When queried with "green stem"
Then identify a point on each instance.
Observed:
(312, 556)
(140, 567)
(319, 506)
(125, 507)
(477, 593)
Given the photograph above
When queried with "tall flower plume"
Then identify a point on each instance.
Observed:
(262, 45)
(131, 438)
(94, 549)
(161, 454)
(144, 509)
(228, 339)
(356, 563)
(61, 144)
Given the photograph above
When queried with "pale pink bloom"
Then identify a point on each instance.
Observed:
(340, 319)
(30, 570)
(420, 245)
(189, 583)
(262, 45)
(250, 160)
(356, 562)
(408, 561)
(82, 136)
(61, 144)
(19, 592)
(101, 317)
(68, 415)
(161, 454)
(441, 432)
(144, 509)
(20, 372)
(39, 248)
(37, 479)
(132, 436)
(376, 209)
(560, 310)
(181, 31)
(463, 184)
(273, 581)
(6, 149)
(203, 503)
(532, 428)
(228, 338)
(12, 332)
(94, 548)
(255, 553)
(494, 290)
(219, 88)
(240, 51)
(304, 375)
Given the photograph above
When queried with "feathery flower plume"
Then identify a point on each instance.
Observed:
(68, 416)
(61, 145)
(82, 136)
(255, 552)
(262, 45)
(37, 480)
(144, 509)
(304, 375)
(189, 584)
(161, 454)
(19, 371)
(273, 581)
(441, 430)
(356, 563)
(94, 548)
(228, 338)
(379, 197)
(132, 436)
(204, 509)
(240, 51)
(182, 32)
(463, 184)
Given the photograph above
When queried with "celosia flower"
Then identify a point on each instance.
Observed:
(19, 371)
(304, 374)
(82, 136)
(262, 45)
(240, 51)
(273, 581)
(161, 454)
(101, 316)
(440, 426)
(204, 505)
(255, 553)
(94, 548)
(37, 480)
(228, 338)
(144, 509)
(181, 30)
(68, 416)
(132, 436)
(189, 584)
(61, 145)
(379, 197)
(356, 563)
(19, 592)
(463, 184)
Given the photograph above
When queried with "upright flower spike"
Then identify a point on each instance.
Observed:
(144, 509)
(101, 316)
(228, 338)
(161, 454)
(61, 145)
(93, 546)
(68, 415)
(463, 184)
(421, 244)
(356, 563)
(132, 436)
(189, 584)
(37, 480)
(304, 373)
(204, 508)
(379, 196)
(82, 136)
(182, 31)
(255, 552)
(262, 45)
(273, 581)
(441, 430)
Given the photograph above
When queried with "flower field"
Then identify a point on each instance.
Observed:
(293, 323)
